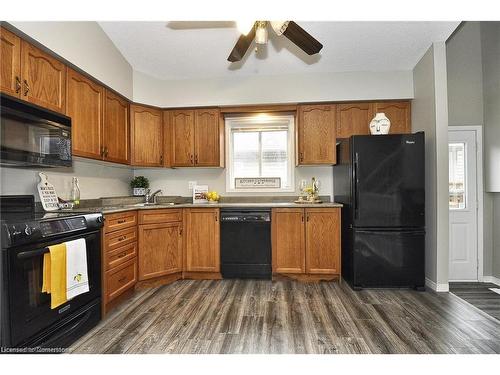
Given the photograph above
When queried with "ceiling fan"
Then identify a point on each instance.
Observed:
(258, 30)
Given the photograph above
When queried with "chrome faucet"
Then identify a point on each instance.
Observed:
(150, 197)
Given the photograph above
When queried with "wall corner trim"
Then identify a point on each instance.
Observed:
(437, 287)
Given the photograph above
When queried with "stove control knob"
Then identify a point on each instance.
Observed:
(100, 219)
(28, 230)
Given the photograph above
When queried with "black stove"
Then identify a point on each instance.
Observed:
(22, 223)
(27, 321)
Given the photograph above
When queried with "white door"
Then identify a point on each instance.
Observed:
(463, 205)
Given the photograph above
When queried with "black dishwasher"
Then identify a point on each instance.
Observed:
(246, 243)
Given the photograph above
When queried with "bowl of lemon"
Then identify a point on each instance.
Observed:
(213, 197)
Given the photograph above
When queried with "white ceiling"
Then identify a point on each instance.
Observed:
(169, 51)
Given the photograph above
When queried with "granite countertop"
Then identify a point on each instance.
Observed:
(113, 205)
(113, 209)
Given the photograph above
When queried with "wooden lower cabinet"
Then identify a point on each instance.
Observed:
(306, 242)
(202, 250)
(288, 240)
(322, 241)
(120, 279)
(119, 257)
(160, 249)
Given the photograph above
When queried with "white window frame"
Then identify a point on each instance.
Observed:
(250, 122)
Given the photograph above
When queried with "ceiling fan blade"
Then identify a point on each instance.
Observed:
(241, 46)
(302, 39)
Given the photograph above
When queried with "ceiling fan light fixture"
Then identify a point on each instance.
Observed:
(261, 35)
(279, 27)
(245, 26)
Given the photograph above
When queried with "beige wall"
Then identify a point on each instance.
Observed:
(273, 89)
(465, 76)
(430, 114)
(473, 64)
(97, 179)
(175, 181)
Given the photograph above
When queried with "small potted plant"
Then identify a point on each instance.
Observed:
(139, 185)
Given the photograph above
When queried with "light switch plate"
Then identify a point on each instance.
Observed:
(192, 184)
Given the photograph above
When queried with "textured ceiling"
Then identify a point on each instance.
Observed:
(168, 50)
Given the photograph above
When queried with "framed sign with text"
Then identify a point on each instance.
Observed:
(257, 182)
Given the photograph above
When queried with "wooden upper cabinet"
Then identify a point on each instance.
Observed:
(167, 138)
(146, 131)
(182, 139)
(43, 78)
(323, 241)
(354, 119)
(202, 240)
(116, 130)
(207, 138)
(85, 107)
(10, 63)
(160, 249)
(288, 240)
(316, 134)
(399, 113)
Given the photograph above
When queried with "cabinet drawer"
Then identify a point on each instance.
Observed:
(159, 216)
(120, 255)
(119, 238)
(120, 220)
(121, 278)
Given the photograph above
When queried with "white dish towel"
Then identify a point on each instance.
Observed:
(77, 278)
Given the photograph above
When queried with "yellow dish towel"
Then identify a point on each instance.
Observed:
(54, 274)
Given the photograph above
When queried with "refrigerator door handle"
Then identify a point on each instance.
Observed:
(356, 183)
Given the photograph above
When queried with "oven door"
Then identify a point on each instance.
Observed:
(30, 311)
(30, 136)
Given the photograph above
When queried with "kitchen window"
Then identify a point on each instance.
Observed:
(260, 153)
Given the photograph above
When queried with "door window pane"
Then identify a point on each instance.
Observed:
(457, 183)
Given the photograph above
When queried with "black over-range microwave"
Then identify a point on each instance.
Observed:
(32, 136)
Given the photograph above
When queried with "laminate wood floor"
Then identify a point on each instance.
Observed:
(479, 295)
(252, 316)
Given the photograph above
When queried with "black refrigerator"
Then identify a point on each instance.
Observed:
(380, 180)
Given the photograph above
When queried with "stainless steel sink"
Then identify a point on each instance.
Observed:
(152, 204)
(144, 204)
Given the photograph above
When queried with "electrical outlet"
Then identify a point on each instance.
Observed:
(192, 184)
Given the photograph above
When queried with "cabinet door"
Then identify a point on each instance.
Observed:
(207, 138)
(116, 130)
(85, 107)
(44, 78)
(202, 240)
(146, 127)
(399, 113)
(167, 138)
(323, 241)
(316, 134)
(10, 63)
(353, 119)
(288, 240)
(182, 127)
(160, 249)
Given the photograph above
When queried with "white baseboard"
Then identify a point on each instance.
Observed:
(491, 279)
(437, 287)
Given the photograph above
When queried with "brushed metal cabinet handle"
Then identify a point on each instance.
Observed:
(26, 88)
(18, 85)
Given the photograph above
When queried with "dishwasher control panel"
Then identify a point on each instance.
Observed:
(249, 216)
